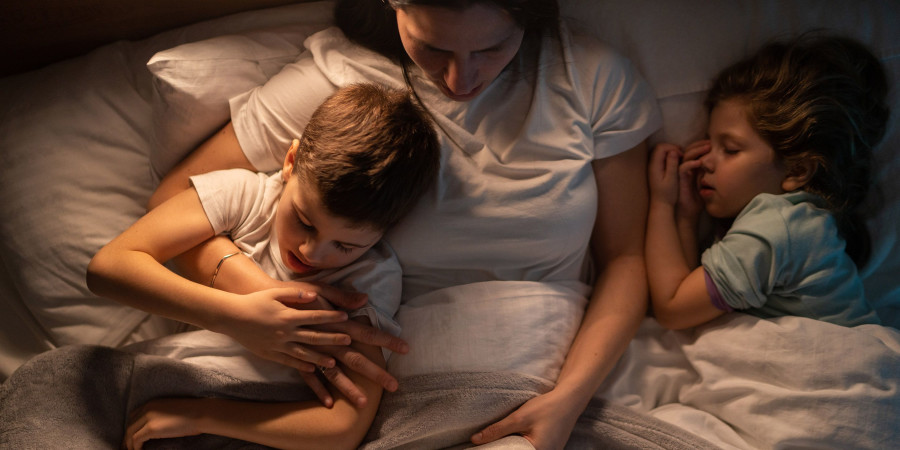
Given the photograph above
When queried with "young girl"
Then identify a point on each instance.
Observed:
(790, 138)
(365, 158)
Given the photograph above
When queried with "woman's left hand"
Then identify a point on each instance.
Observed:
(546, 421)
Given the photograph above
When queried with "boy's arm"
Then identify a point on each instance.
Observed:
(281, 425)
(130, 270)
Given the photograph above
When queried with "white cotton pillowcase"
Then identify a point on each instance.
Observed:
(193, 83)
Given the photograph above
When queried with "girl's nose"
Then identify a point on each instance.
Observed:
(707, 162)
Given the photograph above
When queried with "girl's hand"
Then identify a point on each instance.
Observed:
(159, 419)
(689, 202)
(546, 421)
(662, 173)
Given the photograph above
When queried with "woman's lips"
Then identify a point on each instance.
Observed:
(461, 97)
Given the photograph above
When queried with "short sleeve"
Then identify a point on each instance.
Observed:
(745, 264)
(232, 199)
(623, 108)
(268, 117)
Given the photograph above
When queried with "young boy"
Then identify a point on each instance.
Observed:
(366, 156)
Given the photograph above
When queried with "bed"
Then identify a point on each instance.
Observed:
(85, 139)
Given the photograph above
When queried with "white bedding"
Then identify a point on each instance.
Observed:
(77, 139)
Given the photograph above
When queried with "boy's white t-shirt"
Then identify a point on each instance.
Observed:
(242, 204)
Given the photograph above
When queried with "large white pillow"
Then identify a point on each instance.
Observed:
(193, 83)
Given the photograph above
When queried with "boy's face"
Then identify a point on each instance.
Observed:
(310, 238)
(740, 164)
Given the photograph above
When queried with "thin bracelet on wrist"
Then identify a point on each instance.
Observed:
(212, 282)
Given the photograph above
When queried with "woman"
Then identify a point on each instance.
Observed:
(543, 174)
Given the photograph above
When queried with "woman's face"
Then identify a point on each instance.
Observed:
(461, 51)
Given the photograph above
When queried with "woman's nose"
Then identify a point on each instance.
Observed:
(460, 75)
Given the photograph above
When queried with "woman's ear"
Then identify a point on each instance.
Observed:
(289, 159)
(799, 174)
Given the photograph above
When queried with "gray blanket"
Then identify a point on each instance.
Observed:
(78, 397)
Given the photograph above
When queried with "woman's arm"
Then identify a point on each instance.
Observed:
(617, 306)
(281, 425)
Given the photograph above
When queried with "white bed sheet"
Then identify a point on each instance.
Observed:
(744, 382)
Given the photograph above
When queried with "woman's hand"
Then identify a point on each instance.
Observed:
(546, 421)
(160, 419)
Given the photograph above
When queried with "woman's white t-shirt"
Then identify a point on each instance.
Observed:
(516, 198)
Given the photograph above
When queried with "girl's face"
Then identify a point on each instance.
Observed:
(739, 165)
(309, 237)
(463, 51)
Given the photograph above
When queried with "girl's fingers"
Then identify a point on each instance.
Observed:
(696, 150)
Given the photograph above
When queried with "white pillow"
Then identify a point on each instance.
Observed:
(193, 83)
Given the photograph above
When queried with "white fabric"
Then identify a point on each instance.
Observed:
(494, 326)
(746, 382)
(189, 91)
(516, 164)
(243, 205)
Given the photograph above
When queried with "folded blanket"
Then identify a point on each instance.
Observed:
(79, 396)
(443, 410)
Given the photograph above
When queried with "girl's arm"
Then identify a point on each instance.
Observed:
(281, 425)
(617, 306)
(677, 286)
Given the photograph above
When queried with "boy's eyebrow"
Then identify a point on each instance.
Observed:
(309, 223)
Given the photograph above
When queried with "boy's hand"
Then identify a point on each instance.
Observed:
(265, 324)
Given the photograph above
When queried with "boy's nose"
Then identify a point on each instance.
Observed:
(312, 251)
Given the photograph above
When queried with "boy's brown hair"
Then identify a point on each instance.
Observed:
(371, 151)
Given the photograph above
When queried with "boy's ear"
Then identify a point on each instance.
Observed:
(288, 167)
(799, 174)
